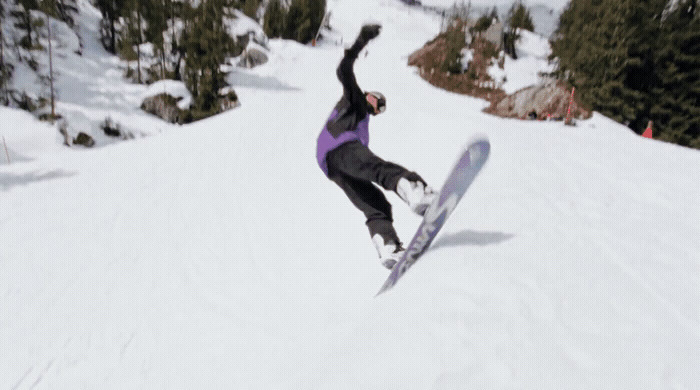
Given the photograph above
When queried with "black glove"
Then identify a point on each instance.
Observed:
(414, 177)
(369, 32)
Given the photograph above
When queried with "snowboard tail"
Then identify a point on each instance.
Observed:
(461, 177)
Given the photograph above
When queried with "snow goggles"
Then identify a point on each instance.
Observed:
(379, 99)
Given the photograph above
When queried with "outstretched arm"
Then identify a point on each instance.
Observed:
(345, 72)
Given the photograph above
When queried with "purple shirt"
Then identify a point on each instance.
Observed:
(326, 141)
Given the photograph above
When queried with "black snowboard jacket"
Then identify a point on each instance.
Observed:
(352, 107)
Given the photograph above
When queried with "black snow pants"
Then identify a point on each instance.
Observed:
(354, 168)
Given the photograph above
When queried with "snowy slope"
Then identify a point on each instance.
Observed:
(217, 255)
(523, 72)
(89, 86)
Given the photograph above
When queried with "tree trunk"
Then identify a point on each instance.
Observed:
(2, 66)
(138, 45)
(29, 28)
(113, 34)
(53, 103)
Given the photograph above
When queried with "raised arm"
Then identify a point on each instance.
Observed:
(345, 71)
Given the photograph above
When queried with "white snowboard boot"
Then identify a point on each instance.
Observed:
(416, 195)
(389, 253)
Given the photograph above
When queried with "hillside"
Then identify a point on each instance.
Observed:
(217, 255)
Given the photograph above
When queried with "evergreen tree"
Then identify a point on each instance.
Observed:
(303, 19)
(455, 43)
(5, 67)
(607, 49)
(66, 11)
(131, 35)
(317, 11)
(207, 46)
(520, 18)
(676, 108)
(295, 16)
(111, 10)
(155, 25)
(483, 23)
(494, 14)
(273, 23)
(250, 8)
(188, 15)
(25, 22)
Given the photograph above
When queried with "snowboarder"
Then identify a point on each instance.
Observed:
(344, 156)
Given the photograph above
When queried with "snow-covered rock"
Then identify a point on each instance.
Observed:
(174, 88)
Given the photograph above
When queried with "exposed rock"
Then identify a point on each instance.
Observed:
(546, 101)
(252, 57)
(228, 99)
(84, 139)
(494, 34)
(240, 43)
(111, 129)
(163, 106)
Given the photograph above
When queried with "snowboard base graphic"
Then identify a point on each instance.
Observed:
(465, 170)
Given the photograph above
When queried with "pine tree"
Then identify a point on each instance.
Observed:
(607, 50)
(317, 11)
(5, 67)
(520, 18)
(483, 23)
(250, 8)
(207, 45)
(24, 21)
(132, 33)
(66, 10)
(273, 23)
(676, 108)
(303, 19)
(455, 43)
(295, 16)
(156, 23)
(494, 14)
(111, 10)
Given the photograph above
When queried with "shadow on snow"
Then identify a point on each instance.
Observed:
(9, 180)
(470, 237)
(242, 79)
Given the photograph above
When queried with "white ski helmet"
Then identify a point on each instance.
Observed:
(380, 100)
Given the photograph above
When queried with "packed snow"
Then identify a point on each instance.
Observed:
(217, 254)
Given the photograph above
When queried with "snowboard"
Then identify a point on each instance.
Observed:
(460, 178)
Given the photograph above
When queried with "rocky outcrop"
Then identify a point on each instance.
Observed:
(163, 106)
(84, 139)
(252, 57)
(544, 101)
(228, 99)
